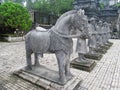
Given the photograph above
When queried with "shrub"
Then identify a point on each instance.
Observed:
(15, 16)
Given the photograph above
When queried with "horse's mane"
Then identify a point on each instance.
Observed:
(66, 14)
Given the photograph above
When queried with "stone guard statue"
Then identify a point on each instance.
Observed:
(93, 40)
(104, 33)
(82, 62)
(99, 40)
(108, 32)
(92, 43)
(81, 47)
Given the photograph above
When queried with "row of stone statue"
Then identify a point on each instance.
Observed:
(98, 36)
(58, 40)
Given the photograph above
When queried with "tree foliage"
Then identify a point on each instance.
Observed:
(56, 7)
(14, 15)
(42, 6)
(60, 6)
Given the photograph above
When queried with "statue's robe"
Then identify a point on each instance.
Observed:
(99, 35)
(81, 44)
(103, 34)
(92, 39)
(108, 33)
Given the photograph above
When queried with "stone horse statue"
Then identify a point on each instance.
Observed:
(57, 40)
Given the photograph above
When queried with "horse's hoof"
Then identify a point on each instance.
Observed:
(28, 68)
(69, 76)
(37, 65)
(63, 82)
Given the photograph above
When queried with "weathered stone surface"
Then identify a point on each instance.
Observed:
(2, 86)
(43, 72)
(96, 56)
(83, 66)
(101, 51)
(109, 44)
(105, 47)
(49, 83)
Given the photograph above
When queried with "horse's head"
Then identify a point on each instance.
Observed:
(81, 22)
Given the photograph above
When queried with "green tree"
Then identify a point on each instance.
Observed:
(56, 7)
(42, 6)
(66, 5)
(15, 16)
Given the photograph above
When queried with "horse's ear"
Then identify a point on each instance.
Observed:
(81, 12)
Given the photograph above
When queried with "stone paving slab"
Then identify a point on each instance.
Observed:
(105, 76)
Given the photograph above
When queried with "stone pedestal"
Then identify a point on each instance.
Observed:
(105, 47)
(96, 56)
(109, 44)
(48, 79)
(83, 66)
(101, 50)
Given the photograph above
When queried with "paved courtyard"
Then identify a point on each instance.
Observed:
(105, 76)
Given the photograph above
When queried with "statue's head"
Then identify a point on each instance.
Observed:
(81, 21)
(105, 24)
(92, 20)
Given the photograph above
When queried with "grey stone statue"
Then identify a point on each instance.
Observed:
(108, 32)
(104, 33)
(82, 62)
(92, 43)
(81, 47)
(99, 35)
(57, 40)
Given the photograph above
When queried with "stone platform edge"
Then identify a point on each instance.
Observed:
(72, 84)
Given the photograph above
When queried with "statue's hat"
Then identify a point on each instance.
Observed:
(92, 19)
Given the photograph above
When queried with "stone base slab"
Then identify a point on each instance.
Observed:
(96, 56)
(109, 44)
(105, 47)
(83, 66)
(101, 50)
(71, 84)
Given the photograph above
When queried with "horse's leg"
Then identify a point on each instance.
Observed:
(67, 67)
(60, 55)
(36, 59)
(28, 58)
